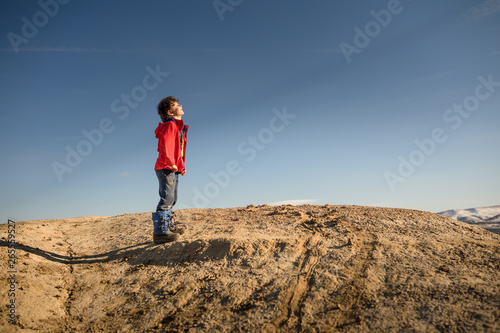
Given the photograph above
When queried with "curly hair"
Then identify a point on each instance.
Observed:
(164, 106)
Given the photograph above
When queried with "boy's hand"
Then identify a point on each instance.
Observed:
(173, 167)
(183, 172)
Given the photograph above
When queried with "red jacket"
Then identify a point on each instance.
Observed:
(171, 136)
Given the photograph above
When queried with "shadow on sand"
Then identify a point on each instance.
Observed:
(125, 252)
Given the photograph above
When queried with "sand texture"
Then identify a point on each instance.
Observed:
(256, 269)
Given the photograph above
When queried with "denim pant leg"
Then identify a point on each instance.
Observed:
(168, 181)
(175, 188)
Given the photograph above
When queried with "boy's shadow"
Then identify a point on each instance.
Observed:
(125, 252)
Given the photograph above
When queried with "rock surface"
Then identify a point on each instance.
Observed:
(256, 269)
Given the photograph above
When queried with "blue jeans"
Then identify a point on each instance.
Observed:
(168, 181)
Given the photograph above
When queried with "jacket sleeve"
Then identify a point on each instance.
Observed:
(169, 145)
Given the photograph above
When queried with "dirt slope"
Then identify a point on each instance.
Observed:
(256, 269)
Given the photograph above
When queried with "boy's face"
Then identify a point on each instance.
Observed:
(176, 111)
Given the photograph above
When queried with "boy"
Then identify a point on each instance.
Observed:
(171, 134)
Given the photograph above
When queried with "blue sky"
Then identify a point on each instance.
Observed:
(385, 103)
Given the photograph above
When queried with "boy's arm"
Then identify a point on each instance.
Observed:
(169, 145)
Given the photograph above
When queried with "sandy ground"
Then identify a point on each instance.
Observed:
(255, 269)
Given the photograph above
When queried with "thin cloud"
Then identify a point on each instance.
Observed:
(293, 202)
(124, 174)
(66, 50)
(195, 95)
(211, 50)
(482, 10)
(439, 75)
(327, 50)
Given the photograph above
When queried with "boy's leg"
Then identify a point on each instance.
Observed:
(171, 226)
(167, 180)
(163, 216)
(176, 185)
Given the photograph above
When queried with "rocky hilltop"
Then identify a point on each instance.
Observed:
(255, 269)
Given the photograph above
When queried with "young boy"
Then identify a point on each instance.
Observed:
(171, 134)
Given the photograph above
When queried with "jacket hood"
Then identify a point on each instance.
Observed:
(162, 126)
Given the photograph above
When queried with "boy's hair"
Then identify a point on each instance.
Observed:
(164, 106)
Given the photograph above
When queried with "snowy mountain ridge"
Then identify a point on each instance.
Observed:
(486, 217)
(475, 215)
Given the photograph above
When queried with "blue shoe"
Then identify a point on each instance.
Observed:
(159, 224)
(163, 222)
(161, 234)
(174, 228)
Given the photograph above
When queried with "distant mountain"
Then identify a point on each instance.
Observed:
(486, 217)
